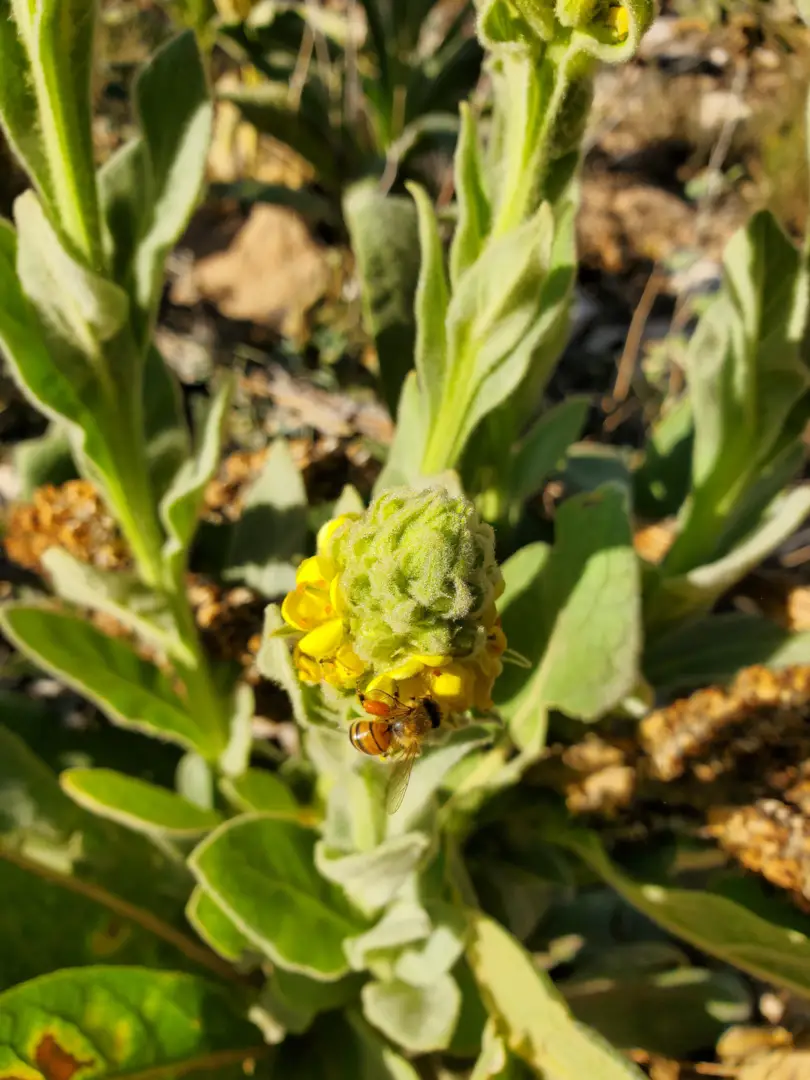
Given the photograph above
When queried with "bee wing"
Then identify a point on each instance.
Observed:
(398, 784)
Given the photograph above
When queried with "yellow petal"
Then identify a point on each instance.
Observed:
(305, 607)
(336, 598)
(327, 532)
(349, 664)
(454, 689)
(434, 660)
(310, 573)
(406, 670)
(309, 670)
(324, 640)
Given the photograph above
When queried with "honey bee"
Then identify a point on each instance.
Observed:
(395, 733)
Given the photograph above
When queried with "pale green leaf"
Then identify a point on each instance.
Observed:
(214, 926)
(372, 878)
(261, 872)
(421, 964)
(403, 923)
(544, 445)
(531, 1015)
(699, 652)
(235, 758)
(131, 691)
(56, 377)
(420, 1019)
(385, 243)
(431, 309)
(583, 601)
(268, 539)
(194, 780)
(473, 204)
(175, 115)
(118, 593)
(19, 111)
(166, 1022)
(80, 309)
(136, 804)
(258, 789)
(745, 375)
(350, 501)
(405, 454)
(710, 921)
(696, 591)
(294, 1001)
(180, 506)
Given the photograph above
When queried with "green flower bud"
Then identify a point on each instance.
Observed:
(418, 577)
(524, 23)
(576, 12)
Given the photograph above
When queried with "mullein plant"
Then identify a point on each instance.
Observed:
(491, 326)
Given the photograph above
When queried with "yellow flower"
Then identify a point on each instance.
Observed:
(618, 20)
(456, 684)
(315, 607)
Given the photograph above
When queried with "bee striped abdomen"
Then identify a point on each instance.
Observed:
(371, 737)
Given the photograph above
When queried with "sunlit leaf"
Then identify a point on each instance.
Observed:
(268, 539)
(420, 1019)
(532, 1016)
(131, 691)
(708, 920)
(260, 870)
(214, 926)
(58, 1025)
(385, 243)
(136, 804)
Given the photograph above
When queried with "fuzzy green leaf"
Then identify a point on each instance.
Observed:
(745, 374)
(385, 243)
(175, 117)
(258, 789)
(474, 211)
(586, 594)
(61, 45)
(420, 1019)
(404, 923)
(268, 540)
(80, 309)
(407, 449)
(61, 1023)
(431, 309)
(544, 445)
(129, 690)
(694, 592)
(261, 871)
(531, 1014)
(55, 376)
(713, 649)
(372, 878)
(136, 804)
(19, 111)
(44, 460)
(710, 921)
(118, 593)
(214, 926)
(180, 506)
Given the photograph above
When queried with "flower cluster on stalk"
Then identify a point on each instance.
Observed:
(402, 599)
